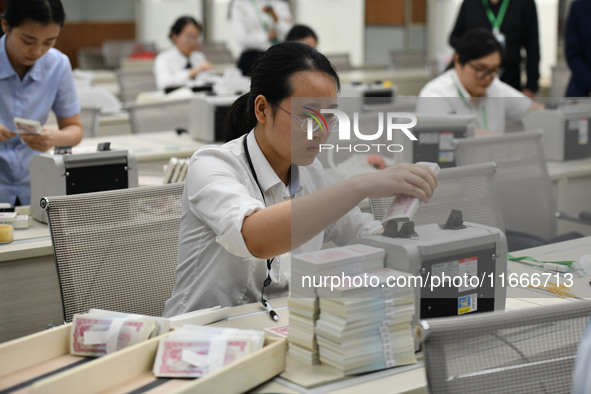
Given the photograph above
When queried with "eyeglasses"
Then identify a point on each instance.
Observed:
(192, 39)
(310, 120)
(482, 73)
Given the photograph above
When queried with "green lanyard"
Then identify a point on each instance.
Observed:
(567, 263)
(498, 20)
(470, 106)
(259, 15)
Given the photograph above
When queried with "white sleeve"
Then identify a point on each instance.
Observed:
(435, 98)
(247, 28)
(167, 72)
(352, 225)
(516, 103)
(284, 22)
(219, 198)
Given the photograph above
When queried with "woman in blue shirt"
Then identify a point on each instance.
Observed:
(34, 79)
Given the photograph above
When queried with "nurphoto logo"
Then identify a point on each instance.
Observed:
(335, 120)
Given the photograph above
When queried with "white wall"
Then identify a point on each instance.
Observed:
(155, 17)
(339, 24)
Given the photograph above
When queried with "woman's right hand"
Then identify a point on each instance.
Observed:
(413, 179)
(5, 134)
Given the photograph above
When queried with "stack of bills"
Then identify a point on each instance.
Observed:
(101, 332)
(195, 351)
(366, 325)
(313, 271)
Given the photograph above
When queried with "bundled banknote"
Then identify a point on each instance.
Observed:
(100, 332)
(195, 351)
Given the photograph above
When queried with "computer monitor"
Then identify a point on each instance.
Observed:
(565, 131)
(207, 116)
(436, 135)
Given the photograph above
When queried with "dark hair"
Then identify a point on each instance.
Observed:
(180, 24)
(298, 32)
(44, 11)
(476, 43)
(270, 77)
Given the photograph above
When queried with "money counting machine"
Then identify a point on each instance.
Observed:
(66, 173)
(438, 255)
(566, 131)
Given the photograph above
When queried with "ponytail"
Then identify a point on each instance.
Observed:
(239, 119)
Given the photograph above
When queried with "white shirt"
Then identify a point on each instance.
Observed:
(251, 24)
(446, 95)
(170, 67)
(215, 266)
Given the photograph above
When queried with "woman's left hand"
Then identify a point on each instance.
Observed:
(40, 142)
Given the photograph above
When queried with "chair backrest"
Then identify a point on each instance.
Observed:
(90, 121)
(340, 61)
(560, 77)
(469, 189)
(116, 249)
(159, 116)
(527, 199)
(408, 59)
(115, 50)
(521, 351)
(217, 53)
(132, 82)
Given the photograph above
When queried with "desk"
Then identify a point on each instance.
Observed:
(406, 379)
(113, 124)
(408, 81)
(572, 187)
(568, 250)
(152, 150)
(29, 290)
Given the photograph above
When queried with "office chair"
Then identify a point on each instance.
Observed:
(159, 116)
(408, 59)
(114, 51)
(117, 249)
(524, 351)
(133, 82)
(340, 61)
(525, 191)
(217, 53)
(469, 189)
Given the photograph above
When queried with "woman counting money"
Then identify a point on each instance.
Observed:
(35, 78)
(239, 221)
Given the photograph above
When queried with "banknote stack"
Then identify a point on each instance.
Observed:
(101, 332)
(195, 351)
(315, 270)
(366, 326)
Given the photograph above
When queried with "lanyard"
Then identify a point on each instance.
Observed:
(267, 281)
(259, 15)
(470, 106)
(254, 173)
(498, 20)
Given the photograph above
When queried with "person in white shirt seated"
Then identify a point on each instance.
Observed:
(237, 227)
(257, 25)
(470, 86)
(179, 65)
